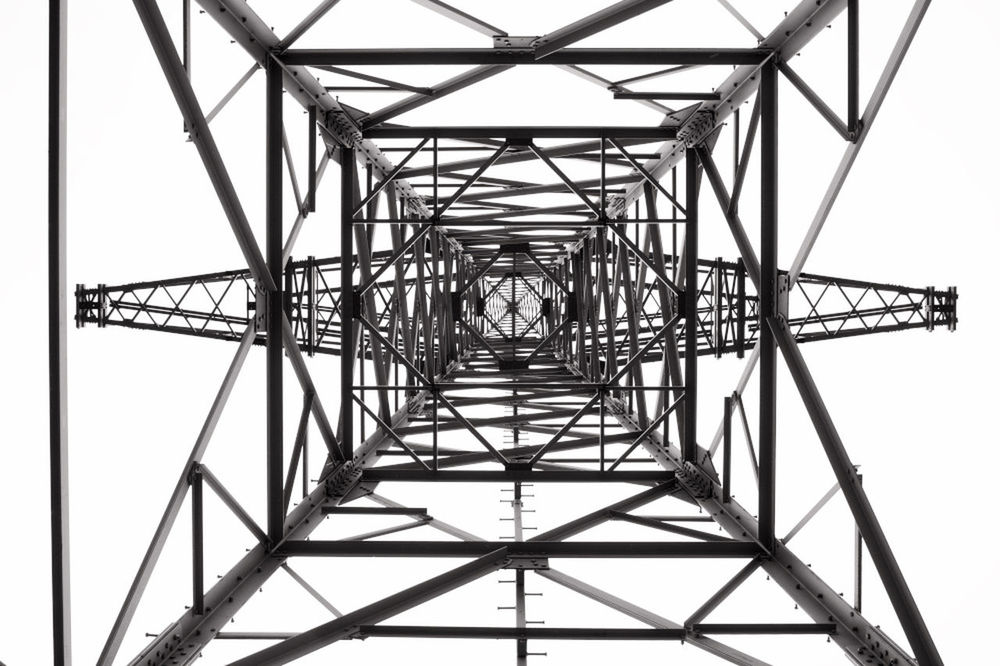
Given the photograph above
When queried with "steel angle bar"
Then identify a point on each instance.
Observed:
(482, 340)
(547, 340)
(201, 135)
(547, 272)
(744, 162)
(389, 178)
(309, 21)
(461, 17)
(521, 633)
(125, 615)
(723, 593)
(298, 451)
(330, 632)
(594, 518)
(377, 334)
(647, 617)
(607, 84)
(645, 174)
(878, 546)
(667, 527)
(641, 354)
(56, 288)
(530, 548)
(471, 428)
(565, 428)
(231, 503)
(452, 85)
(646, 432)
(232, 93)
(490, 161)
(540, 154)
(829, 115)
(742, 19)
(391, 261)
(387, 429)
(812, 512)
(293, 233)
(480, 273)
(747, 252)
(641, 256)
(313, 592)
(637, 133)
(498, 56)
(592, 24)
(291, 346)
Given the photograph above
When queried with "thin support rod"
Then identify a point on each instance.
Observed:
(58, 429)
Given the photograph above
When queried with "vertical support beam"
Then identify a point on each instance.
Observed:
(741, 307)
(691, 307)
(58, 430)
(858, 552)
(275, 313)
(347, 181)
(853, 69)
(186, 30)
(311, 192)
(727, 448)
(768, 298)
(197, 542)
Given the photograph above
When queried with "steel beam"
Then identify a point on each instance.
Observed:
(768, 299)
(56, 293)
(449, 56)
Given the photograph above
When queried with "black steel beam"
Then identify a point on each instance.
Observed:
(521, 633)
(447, 56)
(275, 311)
(768, 299)
(515, 475)
(58, 427)
(651, 133)
(347, 206)
(527, 549)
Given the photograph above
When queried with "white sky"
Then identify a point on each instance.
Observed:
(914, 409)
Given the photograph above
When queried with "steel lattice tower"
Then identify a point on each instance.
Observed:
(512, 331)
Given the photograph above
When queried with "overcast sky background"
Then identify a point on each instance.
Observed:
(916, 410)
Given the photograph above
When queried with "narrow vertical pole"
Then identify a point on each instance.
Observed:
(768, 298)
(347, 298)
(858, 551)
(741, 307)
(311, 173)
(197, 543)
(186, 36)
(691, 307)
(275, 312)
(727, 448)
(58, 427)
(853, 68)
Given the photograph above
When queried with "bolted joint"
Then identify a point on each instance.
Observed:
(781, 302)
(260, 307)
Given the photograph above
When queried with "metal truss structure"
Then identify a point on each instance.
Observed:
(566, 309)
